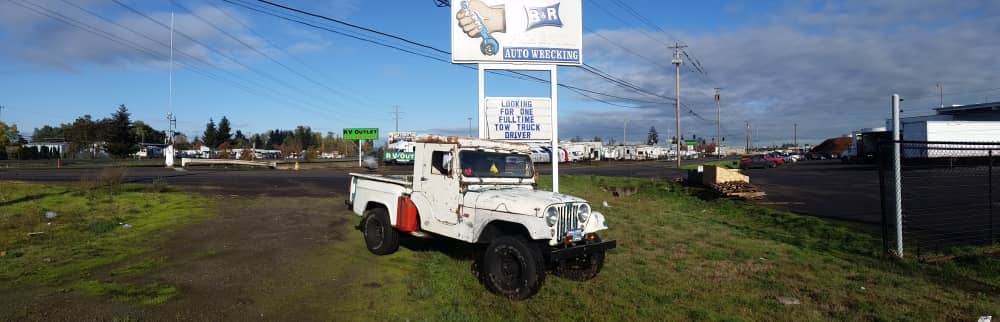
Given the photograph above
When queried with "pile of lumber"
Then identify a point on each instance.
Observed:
(738, 189)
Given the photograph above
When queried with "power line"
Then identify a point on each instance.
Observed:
(355, 26)
(578, 90)
(694, 62)
(252, 48)
(342, 33)
(626, 49)
(348, 93)
(128, 43)
(509, 74)
(220, 53)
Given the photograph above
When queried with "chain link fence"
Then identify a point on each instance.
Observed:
(949, 193)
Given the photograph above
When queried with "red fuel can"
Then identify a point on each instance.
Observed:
(406, 215)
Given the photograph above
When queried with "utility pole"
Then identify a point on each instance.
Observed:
(718, 123)
(677, 94)
(748, 137)
(795, 135)
(624, 129)
(941, 93)
(470, 127)
(170, 69)
(396, 116)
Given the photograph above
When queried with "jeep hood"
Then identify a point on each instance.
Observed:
(521, 201)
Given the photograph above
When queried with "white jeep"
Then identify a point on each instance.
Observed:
(483, 192)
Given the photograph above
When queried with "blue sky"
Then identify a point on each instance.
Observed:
(828, 66)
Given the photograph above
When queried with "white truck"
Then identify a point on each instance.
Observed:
(483, 192)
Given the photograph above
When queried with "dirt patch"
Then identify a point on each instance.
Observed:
(217, 266)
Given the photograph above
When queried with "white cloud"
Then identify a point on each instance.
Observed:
(44, 40)
(828, 66)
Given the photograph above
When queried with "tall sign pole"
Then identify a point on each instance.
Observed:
(677, 93)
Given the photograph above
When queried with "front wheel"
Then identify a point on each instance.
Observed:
(380, 237)
(513, 268)
(582, 268)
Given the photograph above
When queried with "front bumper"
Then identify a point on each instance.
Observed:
(574, 251)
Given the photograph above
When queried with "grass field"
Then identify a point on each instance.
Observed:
(679, 258)
(54, 235)
(683, 255)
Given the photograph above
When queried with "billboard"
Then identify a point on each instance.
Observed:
(525, 31)
(361, 133)
(519, 118)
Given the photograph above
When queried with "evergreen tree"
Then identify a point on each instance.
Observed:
(208, 138)
(652, 138)
(47, 133)
(118, 134)
(240, 140)
(224, 134)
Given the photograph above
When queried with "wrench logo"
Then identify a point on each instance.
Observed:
(478, 24)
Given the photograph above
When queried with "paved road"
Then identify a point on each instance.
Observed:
(820, 188)
(316, 183)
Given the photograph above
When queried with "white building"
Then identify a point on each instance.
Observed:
(62, 147)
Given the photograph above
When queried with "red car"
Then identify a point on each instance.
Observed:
(776, 160)
(757, 161)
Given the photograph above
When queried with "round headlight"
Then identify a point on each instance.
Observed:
(583, 212)
(551, 215)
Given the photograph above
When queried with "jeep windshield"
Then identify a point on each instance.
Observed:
(495, 165)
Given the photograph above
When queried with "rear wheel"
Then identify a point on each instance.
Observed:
(380, 237)
(513, 268)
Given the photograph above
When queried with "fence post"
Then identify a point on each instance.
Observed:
(989, 199)
(897, 174)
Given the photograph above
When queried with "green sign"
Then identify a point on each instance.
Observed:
(690, 142)
(399, 156)
(361, 133)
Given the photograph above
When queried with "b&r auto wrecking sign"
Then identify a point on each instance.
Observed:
(525, 31)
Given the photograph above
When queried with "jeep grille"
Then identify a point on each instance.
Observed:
(567, 219)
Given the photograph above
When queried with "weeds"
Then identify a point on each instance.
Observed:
(130, 293)
(93, 229)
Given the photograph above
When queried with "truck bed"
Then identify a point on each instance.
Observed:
(405, 180)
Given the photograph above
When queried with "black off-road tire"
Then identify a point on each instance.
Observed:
(513, 268)
(582, 268)
(380, 237)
